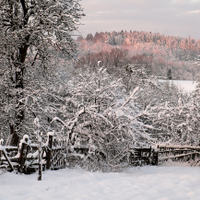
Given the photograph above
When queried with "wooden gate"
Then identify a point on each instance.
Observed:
(143, 156)
(25, 158)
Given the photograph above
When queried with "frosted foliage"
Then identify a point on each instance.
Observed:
(100, 112)
(98, 115)
(31, 31)
(175, 121)
(37, 24)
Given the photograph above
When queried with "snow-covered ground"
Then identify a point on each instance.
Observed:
(185, 85)
(139, 183)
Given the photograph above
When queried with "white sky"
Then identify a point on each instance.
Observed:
(169, 17)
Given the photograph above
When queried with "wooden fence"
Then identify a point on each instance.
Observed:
(27, 158)
(181, 153)
(143, 156)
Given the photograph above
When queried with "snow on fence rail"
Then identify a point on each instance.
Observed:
(183, 153)
(27, 158)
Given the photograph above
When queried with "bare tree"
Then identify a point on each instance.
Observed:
(29, 29)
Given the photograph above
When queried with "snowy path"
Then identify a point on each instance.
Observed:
(145, 183)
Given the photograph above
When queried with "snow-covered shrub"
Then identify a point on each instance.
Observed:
(174, 120)
(98, 115)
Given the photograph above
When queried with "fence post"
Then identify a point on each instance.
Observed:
(155, 158)
(49, 149)
(1, 143)
(23, 152)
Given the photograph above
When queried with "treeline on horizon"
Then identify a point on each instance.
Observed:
(158, 52)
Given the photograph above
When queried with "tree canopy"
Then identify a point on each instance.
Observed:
(30, 30)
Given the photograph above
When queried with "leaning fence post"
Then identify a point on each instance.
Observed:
(49, 149)
(23, 152)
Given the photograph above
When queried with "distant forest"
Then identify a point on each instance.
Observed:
(167, 57)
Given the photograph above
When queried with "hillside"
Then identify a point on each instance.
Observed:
(161, 53)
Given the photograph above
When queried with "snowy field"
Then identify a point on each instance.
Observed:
(185, 86)
(139, 183)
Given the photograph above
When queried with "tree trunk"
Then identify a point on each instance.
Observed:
(15, 127)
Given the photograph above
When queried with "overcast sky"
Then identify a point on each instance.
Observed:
(169, 17)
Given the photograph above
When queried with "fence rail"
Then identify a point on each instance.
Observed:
(27, 158)
(182, 153)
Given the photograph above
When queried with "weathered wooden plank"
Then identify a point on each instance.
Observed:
(7, 159)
